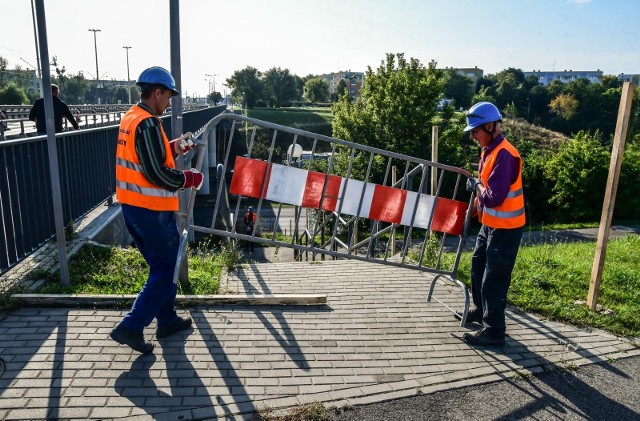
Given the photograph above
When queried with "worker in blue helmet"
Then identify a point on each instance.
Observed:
(147, 186)
(499, 205)
(157, 76)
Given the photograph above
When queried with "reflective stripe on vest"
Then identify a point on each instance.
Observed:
(510, 213)
(132, 187)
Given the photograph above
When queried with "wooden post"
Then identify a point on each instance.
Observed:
(394, 179)
(624, 111)
(434, 158)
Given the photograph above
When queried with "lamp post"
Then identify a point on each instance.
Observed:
(127, 48)
(214, 81)
(128, 78)
(95, 45)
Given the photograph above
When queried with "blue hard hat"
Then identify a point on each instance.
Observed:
(157, 76)
(480, 113)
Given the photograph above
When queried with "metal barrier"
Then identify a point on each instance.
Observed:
(355, 209)
(86, 160)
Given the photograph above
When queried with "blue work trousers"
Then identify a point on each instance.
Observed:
(491, 266)
(155, 233)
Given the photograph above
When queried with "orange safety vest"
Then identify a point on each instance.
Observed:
(132, 187)
(510, 213)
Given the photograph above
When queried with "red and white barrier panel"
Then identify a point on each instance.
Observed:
(296, 186)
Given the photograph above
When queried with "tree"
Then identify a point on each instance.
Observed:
(279, 87)
(483, 96)
(13, 95)
(76, 88)
(4, 63)
(565, 105)
(246, 86)
(458, 87)
(396, 108)
(214, 97)
(341, 89)
(316, 90)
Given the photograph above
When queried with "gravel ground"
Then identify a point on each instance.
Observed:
(605, 391)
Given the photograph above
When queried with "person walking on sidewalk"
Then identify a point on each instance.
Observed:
(147, 185)
(500, 209)
(249, 222)
(60, 111)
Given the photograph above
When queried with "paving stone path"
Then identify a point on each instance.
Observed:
(376, 339)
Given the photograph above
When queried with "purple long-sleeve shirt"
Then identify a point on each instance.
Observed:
(505, 172)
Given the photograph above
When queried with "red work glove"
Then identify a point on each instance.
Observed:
(183, 144)
(192, 179)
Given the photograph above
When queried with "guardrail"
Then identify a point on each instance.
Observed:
(86, 160)
(15, 123)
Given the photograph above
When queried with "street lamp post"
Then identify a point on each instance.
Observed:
(128, 78)
(213, 77)
(127, 48)
(95, 45)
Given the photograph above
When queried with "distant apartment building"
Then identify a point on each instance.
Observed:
(353, 80)
(565, 76)
(629, 78)
(472, 73)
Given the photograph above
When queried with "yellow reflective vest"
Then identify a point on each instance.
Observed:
(132, 187)
(509, 214)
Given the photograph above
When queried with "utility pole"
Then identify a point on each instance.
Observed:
(95, 45)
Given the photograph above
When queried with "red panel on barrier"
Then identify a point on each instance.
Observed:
(248, 175)
(449, 216)
(313, 191)
(387, 204)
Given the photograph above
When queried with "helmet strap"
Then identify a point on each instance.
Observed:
(493, 130)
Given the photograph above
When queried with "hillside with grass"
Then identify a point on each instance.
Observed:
(538, 135)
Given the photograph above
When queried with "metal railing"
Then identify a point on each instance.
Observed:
(86, 160)
(356, 208)
(16, 124)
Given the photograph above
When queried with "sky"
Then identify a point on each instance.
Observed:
(220, 37)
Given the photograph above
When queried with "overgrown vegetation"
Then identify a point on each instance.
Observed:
(113, 270)
(314, 411)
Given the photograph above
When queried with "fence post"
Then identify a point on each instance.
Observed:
(619, 138)
(394, 180)
(434, 158)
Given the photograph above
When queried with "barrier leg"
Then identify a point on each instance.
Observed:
(182, 253)
(465, 292)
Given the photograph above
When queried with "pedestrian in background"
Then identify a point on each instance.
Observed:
(147, 185)
(60, 111)
(249, 223)
(500, 209)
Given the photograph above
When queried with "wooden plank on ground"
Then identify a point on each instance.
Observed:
(120, 301)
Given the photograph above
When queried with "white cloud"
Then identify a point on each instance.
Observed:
(579, 3)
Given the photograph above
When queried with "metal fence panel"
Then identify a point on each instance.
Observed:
(344, 196)
(86, 160)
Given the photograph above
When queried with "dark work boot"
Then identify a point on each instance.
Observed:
(133, 340)
(484, 337)
(177, 326)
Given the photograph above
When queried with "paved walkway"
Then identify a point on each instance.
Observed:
(376, 339)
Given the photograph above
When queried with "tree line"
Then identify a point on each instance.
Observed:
(564, 180)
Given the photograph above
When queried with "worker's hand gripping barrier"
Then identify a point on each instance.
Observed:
(326, 197)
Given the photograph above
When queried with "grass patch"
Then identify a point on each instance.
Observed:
(300, 117)
(314, 411)
(113, 270)
(553, 280)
